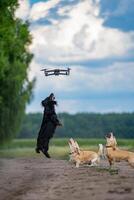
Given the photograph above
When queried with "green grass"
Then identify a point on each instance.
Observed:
(55, 152)
(58, 147)
(105, 169)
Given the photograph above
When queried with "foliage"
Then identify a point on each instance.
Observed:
(83, 125)
(15, 87)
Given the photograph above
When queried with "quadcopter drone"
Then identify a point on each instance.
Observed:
(56, 72)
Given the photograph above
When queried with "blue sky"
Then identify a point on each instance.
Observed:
(95, 38)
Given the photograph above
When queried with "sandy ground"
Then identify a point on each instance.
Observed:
(50, 179)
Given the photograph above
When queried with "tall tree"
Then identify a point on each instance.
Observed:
(15, 87)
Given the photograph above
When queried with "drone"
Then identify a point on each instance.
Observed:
(56, 72)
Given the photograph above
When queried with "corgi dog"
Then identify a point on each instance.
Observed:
(111, 141)
(114, 154)
(79, 156)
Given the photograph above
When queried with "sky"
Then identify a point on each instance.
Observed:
(95, 38)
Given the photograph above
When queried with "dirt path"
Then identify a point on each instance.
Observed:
(49, 179)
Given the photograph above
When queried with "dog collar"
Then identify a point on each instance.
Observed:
(108, 146)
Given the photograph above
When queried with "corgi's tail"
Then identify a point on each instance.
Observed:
(101, 151)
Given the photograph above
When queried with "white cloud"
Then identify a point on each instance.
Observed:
(79, 36)
(23, 10)
(85, 6)
(37, 11)
(41, 9)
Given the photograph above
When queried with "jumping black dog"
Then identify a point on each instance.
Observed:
(49, 123)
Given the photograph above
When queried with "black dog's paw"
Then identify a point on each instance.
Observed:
(37, 150)
(46, 153)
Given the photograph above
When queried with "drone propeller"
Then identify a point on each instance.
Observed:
(43, 69)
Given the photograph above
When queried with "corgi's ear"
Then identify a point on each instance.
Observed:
(72, 144)
(115, 140)
(77, 150)
(77, 146)
(71, 141)
(72, 149)
(112, 136)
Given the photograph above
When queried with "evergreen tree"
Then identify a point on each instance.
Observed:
(15, 88)
(83, 125)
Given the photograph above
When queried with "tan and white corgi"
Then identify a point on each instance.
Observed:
(79, 156)
(114, 154)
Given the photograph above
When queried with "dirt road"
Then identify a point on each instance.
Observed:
(49, 179)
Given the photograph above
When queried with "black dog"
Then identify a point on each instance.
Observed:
(49, 123)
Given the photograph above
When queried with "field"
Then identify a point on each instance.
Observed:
(58, 147)
(26, 175)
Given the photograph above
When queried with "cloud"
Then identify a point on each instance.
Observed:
(23, 10)
(41, 9)
(37, 11)
(79, 36)
(118, 77)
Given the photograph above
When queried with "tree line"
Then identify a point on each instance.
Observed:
(83, 125)
(15, 87)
